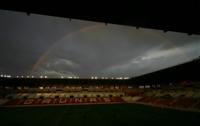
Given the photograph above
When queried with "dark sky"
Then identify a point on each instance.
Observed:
(43, 45)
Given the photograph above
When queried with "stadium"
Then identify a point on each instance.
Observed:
(99, 102)
(85, 79)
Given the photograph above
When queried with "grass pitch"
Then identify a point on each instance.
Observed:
(96, 115)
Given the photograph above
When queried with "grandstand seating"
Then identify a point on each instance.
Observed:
(176, 96)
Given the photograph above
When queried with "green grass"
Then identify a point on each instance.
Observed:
(96, 115)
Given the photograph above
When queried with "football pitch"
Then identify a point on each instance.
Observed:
(96, 115)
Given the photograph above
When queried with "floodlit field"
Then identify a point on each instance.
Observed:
(96, 115)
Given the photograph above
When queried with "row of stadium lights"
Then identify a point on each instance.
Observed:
(6, 76)
(119, 78)
(9, 76)
(62, 77)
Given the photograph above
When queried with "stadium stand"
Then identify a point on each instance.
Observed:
(174, 96)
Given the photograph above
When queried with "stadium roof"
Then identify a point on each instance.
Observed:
(167, 16)
(183, 72)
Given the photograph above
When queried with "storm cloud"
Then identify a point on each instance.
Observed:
(44, 45)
